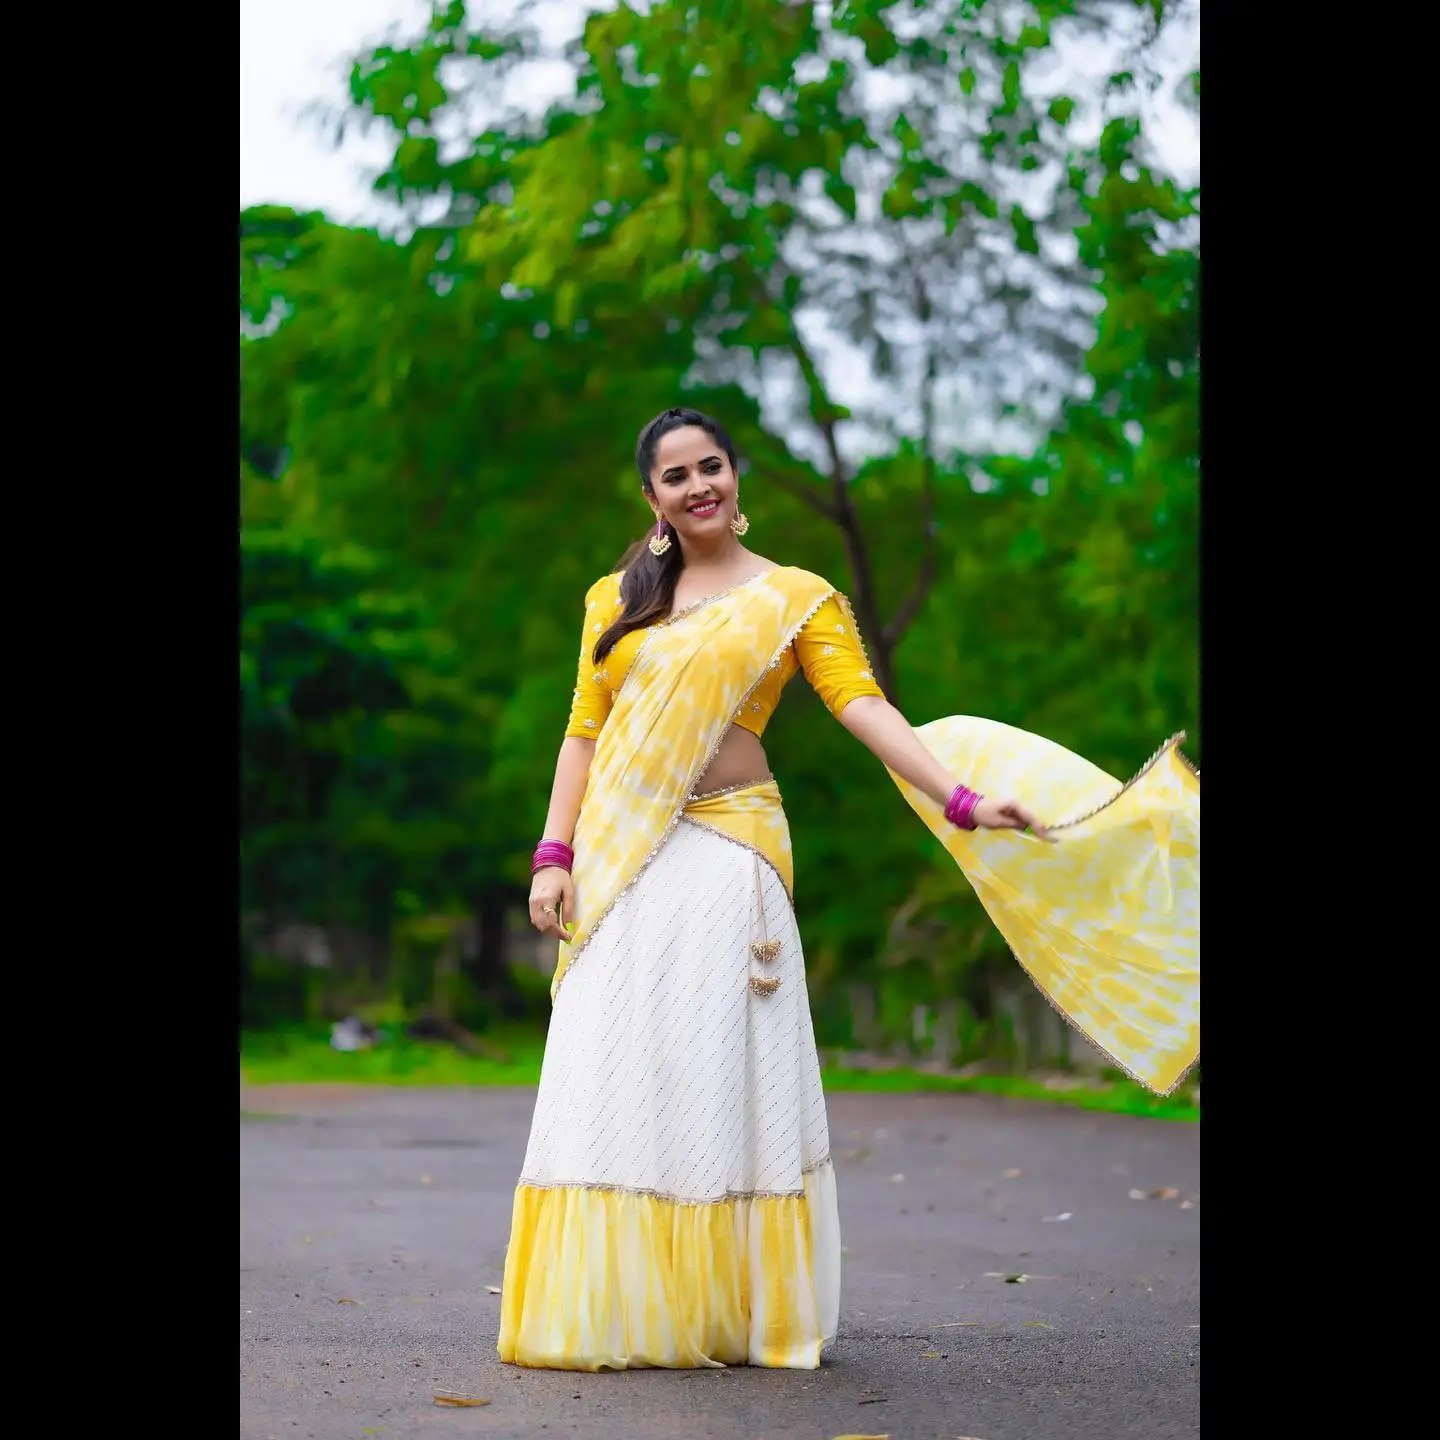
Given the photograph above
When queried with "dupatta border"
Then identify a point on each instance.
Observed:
(1091, 1040)
(1173, 743)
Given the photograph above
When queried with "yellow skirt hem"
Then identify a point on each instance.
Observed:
(608, 1279)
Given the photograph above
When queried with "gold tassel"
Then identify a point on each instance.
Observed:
(764, 949)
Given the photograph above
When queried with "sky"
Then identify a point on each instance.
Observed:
(293, 54)
(290, 56)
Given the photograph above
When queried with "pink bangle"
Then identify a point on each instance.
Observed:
(552, 852)
(960, 809)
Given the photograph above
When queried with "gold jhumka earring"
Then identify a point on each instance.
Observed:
(659, 542)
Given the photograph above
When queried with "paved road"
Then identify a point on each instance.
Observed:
(399, 1202)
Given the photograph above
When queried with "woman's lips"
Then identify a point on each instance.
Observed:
(709, 508)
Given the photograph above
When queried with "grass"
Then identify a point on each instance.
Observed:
(304, 1057)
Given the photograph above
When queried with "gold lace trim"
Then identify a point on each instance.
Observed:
(1173, 743)
(1090, 1039)
(695, 774)
(723, 1199)
(731, 789)
(718, 595)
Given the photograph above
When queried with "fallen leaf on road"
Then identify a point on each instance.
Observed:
(896, 1179)
(460, 1402)
(1063, 1215)
(1167, 1193)
(929, 1354)
(862, 1437)
(1011, 1279)
(1036, 1325)
(1137, 1194)
(493, 1289)
(1187, 1204)
(346, 1300)
(1012, 1174)
(424, 1179)
(956, 1324)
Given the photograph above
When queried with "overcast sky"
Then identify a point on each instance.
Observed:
(292, 54)
(289, 56)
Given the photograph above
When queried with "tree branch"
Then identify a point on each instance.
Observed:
(925, 576)
(863, 600)
(777, 462)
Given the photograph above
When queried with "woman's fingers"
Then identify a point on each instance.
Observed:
(545, 915)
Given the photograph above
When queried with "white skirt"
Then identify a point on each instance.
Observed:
(677, 1204)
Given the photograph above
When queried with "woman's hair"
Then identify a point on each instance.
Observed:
(648, 590)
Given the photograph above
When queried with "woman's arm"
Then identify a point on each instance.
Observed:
(552, 889)
(572, 771)
(886, 733)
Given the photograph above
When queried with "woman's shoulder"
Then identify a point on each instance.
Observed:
(806, 581)
(605, 592)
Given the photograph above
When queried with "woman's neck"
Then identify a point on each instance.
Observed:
(728, 555)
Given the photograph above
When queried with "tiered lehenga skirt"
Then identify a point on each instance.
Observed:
(677, 1202)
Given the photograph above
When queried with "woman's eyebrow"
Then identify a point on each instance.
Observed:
(680, 469)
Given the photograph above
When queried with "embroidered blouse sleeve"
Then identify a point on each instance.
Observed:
(832, 655)
(590, 704)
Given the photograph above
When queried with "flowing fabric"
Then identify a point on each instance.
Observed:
(1106, 918)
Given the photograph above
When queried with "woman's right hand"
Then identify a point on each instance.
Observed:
(551, 890)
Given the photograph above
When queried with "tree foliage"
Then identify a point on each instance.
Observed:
(948, 312)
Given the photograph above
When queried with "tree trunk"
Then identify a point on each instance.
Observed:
(490, 968)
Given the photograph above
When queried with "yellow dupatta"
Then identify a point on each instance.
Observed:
(1106, 920)
(689, 677)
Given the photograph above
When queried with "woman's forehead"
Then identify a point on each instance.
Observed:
(686, 446)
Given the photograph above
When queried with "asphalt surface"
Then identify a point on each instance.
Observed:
(372, 1222)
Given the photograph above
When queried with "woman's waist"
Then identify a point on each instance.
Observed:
(738, 762)
(750, 813)
(760, 789)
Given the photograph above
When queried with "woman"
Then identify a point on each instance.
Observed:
(677, 1203)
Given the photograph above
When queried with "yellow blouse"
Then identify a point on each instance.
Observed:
(828, 650)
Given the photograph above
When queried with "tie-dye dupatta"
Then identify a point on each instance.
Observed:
(689, 677)
(1106, 920)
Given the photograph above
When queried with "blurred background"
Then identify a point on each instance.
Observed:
(934, 265)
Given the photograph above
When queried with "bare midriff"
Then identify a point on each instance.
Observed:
(740, 760)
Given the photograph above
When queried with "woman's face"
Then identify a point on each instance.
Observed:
(695, 489)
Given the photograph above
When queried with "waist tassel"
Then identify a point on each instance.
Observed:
(764, 950)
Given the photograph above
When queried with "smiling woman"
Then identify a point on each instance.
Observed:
(677, 1205)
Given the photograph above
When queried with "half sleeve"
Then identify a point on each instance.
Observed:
(590, 704)
(832, 655)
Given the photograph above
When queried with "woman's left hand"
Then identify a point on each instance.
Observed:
(1006, 815)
